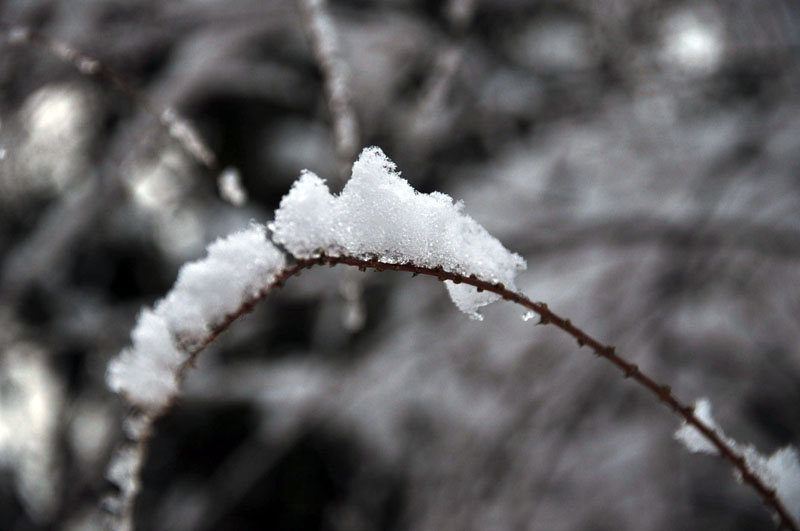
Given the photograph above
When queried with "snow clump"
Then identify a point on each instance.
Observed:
(378, 215)
(780, 471)
(236, 269)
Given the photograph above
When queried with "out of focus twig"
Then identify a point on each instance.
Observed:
(325, 45)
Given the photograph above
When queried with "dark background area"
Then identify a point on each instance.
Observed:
(642, 155)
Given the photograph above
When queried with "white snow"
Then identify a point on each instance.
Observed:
(691, 438)
(780, 471)
(379, 215)
(124, 470)
(145, 373)
(236, 269)
(230, 187)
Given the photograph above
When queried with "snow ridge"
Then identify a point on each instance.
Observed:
(379, 215)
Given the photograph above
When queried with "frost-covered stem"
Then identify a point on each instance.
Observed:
(177, 127)
(630, 370)
(325, 46)
(125, 470)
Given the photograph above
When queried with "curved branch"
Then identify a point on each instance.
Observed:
(630, 370)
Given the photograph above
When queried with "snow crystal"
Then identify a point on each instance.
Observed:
(781, 471)
(528, 316)
(236, 269)
(379, 215)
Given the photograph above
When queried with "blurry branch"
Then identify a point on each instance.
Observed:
(448, 60)
(177, 127)
(124, 471)
(67, 220)
(325, 46)
(459, 14)
(132, 462)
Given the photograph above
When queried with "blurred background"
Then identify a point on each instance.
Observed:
(642, 155)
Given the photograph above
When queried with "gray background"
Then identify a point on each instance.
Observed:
(641, 155)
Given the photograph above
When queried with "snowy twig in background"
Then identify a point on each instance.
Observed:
(377, 222)
(177, 127)
(324, 43)
(433, 95)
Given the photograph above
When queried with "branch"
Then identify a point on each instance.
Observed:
(662, 392)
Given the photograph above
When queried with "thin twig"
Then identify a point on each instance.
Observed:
(662, 392)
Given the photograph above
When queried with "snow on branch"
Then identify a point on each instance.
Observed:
(236, 269)
(378, 221)
(780, 471)
(379, 215)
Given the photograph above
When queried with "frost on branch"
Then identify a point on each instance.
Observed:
(236, 269)
(379, 215)
(780, 471)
